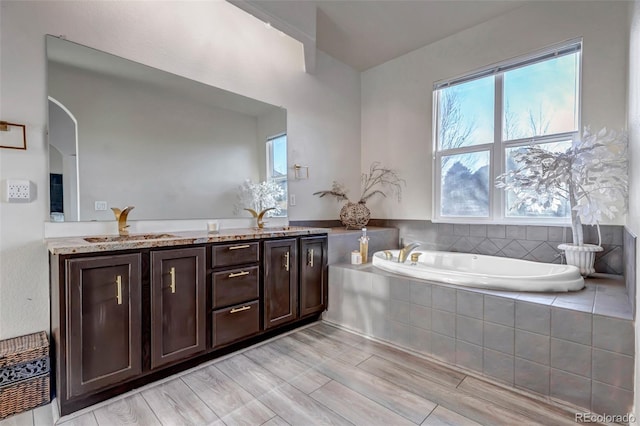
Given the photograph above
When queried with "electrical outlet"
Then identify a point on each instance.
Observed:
(19, 191)
(292, 199)
(100, 206)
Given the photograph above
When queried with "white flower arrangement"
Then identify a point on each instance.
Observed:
(259, 196)
(591, 175)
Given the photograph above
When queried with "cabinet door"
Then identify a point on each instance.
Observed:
(313, 275)
(280, 282)
(178, 304)
(104, 324)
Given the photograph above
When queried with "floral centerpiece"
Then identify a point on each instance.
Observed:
(262, 199)
(356, 215)
(591, 175)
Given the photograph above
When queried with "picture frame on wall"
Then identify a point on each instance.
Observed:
(13, 135)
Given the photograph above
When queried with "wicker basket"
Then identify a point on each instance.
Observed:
(24, 373)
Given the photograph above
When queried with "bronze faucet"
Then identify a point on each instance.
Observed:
(259, 216)
(121, 217)
(404, 252)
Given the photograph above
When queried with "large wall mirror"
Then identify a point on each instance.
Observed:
(122, 133)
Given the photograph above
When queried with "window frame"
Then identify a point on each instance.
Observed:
(498, 148)
(270, 167)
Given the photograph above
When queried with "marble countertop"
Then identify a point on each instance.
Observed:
(72, 245)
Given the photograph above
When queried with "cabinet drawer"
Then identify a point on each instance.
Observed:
(233, 286)
(235, 254)
(235, 323)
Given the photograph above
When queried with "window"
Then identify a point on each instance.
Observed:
(483, 118)
(277, 168)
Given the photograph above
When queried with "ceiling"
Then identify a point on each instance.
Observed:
(366, 33)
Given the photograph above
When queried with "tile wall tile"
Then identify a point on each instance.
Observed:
(399, 333)
(531, 376)
(533, 347)
(469, 355)
(421, 293)
(557, 234)
(610, 399)
(496, 231)
(498, 365)
(499, 310)
(571, 388)
(443, 347)
(400, 289)
(613, 369)
(469, 330)
(516, 232)
(571, 357)
(420, 316)
(461, 230)
(443, 322)
(420, 340)
(469, 304)
(443, 298)
(537, 233)
(533, 317)
(613, 334)
(399, 311)
(571, 325)
(478, 231)
(499, 338)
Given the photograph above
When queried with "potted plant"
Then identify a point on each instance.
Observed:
(356, 215)
(591, 175)
(262, 199)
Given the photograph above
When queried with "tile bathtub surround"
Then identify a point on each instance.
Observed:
(538, 243)
(630, 266)
(523, 340)
(342, 242)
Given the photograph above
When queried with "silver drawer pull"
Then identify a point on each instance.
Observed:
(310, 257)
(244, 246)
(239, 274)
(236, 310)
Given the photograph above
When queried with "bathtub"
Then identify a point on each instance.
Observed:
(490, 272)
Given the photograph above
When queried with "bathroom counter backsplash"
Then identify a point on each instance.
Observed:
(73, 245)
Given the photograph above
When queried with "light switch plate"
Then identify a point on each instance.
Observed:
(100, 206)
(19, 191)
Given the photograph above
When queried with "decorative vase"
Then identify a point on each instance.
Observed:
(355, 215)
(583, 256)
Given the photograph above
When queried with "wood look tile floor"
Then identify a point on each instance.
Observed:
(319, 375)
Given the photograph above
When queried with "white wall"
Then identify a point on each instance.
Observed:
(397, 95)
(633, 123)
(212, 42)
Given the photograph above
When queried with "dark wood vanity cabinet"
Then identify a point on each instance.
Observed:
(313, 275)
(235, 292)
(280, 265)
(122, 319)
(178, 304)
(103, 321)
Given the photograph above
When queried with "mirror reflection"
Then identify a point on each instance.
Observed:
(122, 133)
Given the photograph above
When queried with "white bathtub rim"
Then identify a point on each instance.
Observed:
(570, 278)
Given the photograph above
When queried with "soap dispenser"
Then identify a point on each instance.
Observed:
(364, 245)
